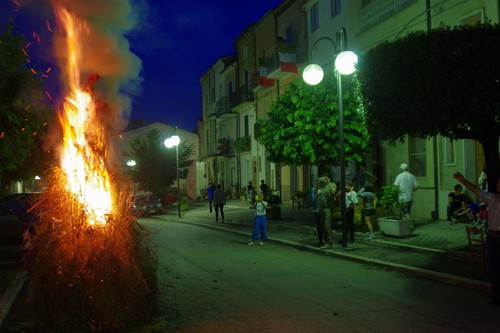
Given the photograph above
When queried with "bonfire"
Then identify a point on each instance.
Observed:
(90, 264)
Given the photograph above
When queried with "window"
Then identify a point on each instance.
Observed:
(246, 126)
(472, 19)
(335, 7)
(417, 156)
(449, 148)
(289, 34)
(315, 17)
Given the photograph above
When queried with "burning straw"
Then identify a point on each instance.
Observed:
(87, 277)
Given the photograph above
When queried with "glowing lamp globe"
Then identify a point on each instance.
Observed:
(345, 62)
(172, 141)
(313, 74)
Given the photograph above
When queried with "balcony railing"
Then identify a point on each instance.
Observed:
(376, 11)
(223, 147)
(222, 106)
(243, 95)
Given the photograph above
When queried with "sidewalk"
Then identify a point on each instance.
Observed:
(435, 250)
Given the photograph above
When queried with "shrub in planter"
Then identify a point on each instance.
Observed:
(389, 200)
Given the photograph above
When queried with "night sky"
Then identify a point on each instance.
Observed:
(176, 41)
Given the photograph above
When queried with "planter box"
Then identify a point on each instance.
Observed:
(398, 228)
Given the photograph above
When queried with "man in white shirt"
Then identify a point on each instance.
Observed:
(407, 183)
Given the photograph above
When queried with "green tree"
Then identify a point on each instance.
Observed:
(302, 128)
(155, 170)
(24, 112)
(443, 82)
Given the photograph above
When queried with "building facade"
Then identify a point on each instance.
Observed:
(318, 30)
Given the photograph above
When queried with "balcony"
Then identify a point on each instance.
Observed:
(224, 147)
(222, 108)
(241, 97)
(376, 11)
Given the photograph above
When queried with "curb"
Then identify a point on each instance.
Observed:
(414, 271)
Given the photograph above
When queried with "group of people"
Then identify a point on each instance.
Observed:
(362, 186)
(216, 200)
(325, 191)
(462, 208)
(252, 193)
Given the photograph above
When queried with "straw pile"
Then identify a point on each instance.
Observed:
(86, 278)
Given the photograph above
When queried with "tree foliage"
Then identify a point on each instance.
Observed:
(156, 166)
(24, 112)
(302, 127)
(442, 82)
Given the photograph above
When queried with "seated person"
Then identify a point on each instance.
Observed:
(483, 215)
(456, 201)
(470, 212)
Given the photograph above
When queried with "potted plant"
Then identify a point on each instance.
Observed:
(389, 200)
(242, 144)
(393, 224)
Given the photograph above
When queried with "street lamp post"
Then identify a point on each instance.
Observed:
(131, 164)
(345, 63)
(169, 143)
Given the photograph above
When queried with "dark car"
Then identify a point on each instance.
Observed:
(146, 205)
(15, 216)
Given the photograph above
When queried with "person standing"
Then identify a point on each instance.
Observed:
(493, 234)
(368, 195)
(456, 203)
(259, 223)
(363, 178)
(251, 193)
(264, 189)
(210, 193)
(351, 201)
(325, 199)
(407, 183)
(316, 213)
(219, 201)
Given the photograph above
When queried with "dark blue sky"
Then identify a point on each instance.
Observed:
(176, 40)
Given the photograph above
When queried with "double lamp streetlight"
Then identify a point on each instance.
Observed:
(170, 142)
(345, 64)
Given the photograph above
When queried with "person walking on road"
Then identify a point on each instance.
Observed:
(407, 183)
(210, 193)
(259, 223)
(219, 201)
(493, 234)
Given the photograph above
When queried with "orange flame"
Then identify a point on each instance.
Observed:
(83, 163)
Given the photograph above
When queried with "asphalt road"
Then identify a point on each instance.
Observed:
(213, 282)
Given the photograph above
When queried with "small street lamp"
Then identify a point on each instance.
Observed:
(131, 164)
(169, 143)
(345, 64)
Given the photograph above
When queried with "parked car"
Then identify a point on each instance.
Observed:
(15, 216)
(146, 205)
